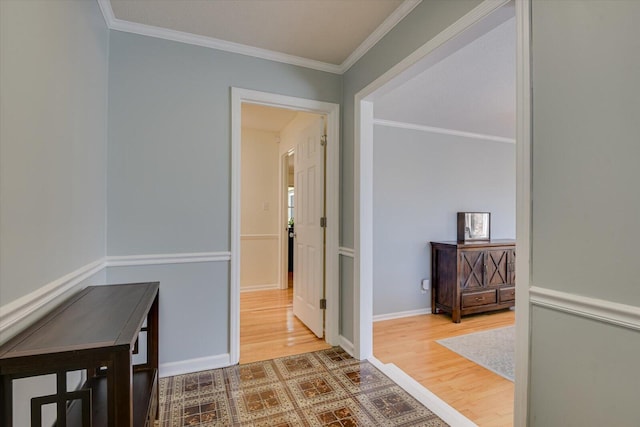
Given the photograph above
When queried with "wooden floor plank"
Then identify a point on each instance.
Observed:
(268, 328)
(410, 343)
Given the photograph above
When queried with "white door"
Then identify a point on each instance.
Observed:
(308, 258)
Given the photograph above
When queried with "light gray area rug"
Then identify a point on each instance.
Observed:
(494, 349)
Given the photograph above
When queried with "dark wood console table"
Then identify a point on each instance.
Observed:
(95, 330)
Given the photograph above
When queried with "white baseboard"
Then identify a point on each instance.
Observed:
(423, 395)
(194, 365)
(266, 287)
(16, 311)
(347, 346)
(401, 314)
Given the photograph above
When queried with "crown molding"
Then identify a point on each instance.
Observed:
(210, 42)
(387, 25)
(431, 129)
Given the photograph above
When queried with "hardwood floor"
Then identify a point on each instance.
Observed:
(410, 343)
(268, 328)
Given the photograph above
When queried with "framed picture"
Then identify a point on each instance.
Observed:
(474, 226)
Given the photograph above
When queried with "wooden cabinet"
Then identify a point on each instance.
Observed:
(96, 330)
(472, 277)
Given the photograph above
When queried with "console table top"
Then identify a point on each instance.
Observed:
(96, 317)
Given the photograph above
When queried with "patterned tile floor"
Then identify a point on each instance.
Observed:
(326, 388)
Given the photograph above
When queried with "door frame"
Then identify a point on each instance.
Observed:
(332, 112)
(282, 217)
(363, 188)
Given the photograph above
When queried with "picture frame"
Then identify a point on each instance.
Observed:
(474, 226)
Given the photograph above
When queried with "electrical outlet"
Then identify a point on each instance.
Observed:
(425, 284)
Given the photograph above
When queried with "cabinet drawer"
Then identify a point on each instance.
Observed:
(507, 294)
(478, 298)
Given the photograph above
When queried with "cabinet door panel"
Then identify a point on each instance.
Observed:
(512, 266)
(472, 269)
(497, 266)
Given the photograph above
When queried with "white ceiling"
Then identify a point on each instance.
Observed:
(472, 90)
(261, 117)
(328, 31)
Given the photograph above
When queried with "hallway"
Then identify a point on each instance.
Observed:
(268, 328)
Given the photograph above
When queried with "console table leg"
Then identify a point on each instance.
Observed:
(120, 389)
(6, 401)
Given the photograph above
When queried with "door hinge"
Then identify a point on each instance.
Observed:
(323, 140)
(323, 304)
(323, 222)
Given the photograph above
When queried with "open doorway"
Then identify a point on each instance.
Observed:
(422, 202)
(272, 144)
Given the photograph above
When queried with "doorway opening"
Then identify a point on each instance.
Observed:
(278, 193)
(369, 127)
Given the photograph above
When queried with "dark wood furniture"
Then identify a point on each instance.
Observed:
(472, 277)
(95, 330)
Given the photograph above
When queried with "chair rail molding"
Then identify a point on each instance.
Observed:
(175, 258)
(348, 252)
(21, 308)
(627, 316)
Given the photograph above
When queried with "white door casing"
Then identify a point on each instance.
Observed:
(363, 173)
(308, 258)
(332, 112)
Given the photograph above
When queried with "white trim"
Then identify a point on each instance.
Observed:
(443, 131)
(423, 394)
(15, 311)
(363, 239)
(346, 345)
(283, 216)
(387, 25)
(209, 42)
(179, 258)
(523, 211)
(456, 29)
(627, 316)
(401, 314)
(107, 12)
(213, 43)
(332, 294)
(259, 236)
(348, 252)
(363, 171)
(264, 287)
(194, 365)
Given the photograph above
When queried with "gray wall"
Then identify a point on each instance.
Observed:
(420, 181)
(428, 19)
(52, 141)
(193, 307)
(53, 114)
(169, 172)
(586, 206)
